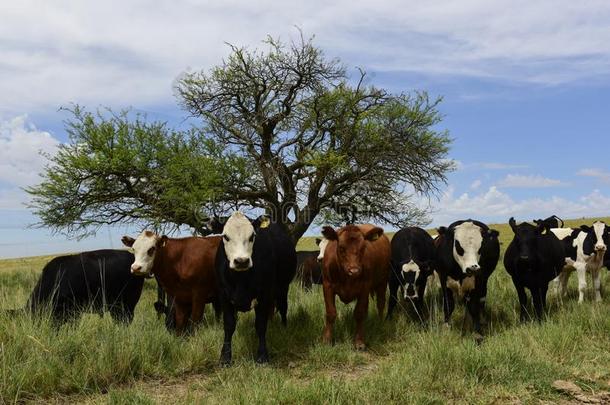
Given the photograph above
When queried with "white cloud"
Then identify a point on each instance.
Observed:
(494, 205)
(599, 174)
(68, 51)
(475, 184)
(529, 181)
(20, 159)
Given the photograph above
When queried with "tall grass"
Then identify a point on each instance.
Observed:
(96, 360)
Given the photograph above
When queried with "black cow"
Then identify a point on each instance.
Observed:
(533, 259)
(90, 281)
(551, 222)
(255, 264)
(412, 261)
(309, 270)
(467, 253)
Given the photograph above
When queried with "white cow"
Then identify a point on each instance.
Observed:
(585, 250)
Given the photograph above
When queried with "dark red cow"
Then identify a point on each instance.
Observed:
(356, 264)
(184, 268)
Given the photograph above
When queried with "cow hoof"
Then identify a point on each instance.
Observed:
(262, 359)
(225, 360)
(360, 346)
(478, 338)
(446, 325)
(327, 340)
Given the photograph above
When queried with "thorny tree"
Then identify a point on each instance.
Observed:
(285, 130)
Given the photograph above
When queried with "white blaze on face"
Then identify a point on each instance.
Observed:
(238, 235)
(322, 246)
(466, 246)
(599, 228)
(413, 268)
(144, 250)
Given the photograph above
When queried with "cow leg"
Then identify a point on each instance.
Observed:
(448, 304)
(181, 317)
(380, 297)
(229, 316)
(581, 273)
(331, 314)
(537, 301)
(217, 309)
(282, 304)
(197, 310)
(596, 275)
(522, 301)
(360, 312)
(260, 323)
(393, 298)
(419, 302)
(473, 307)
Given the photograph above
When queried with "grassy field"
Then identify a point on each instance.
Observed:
(97, 361)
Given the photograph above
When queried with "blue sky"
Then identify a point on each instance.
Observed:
(526, 88)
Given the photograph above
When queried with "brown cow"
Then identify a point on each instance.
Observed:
(356, 264)
(184, 267)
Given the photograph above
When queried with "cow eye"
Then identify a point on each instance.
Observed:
(252, 238)
(459, 249)
(225, 237)
(151, 251)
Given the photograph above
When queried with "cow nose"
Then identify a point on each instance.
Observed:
(353, 271)
(473, 269)
(135, 268)
(600, 247)
(241, 262)
(524, 257)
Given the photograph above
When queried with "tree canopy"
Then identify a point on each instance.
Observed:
(284, 129)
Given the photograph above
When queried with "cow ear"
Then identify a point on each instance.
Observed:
(512, 223)
(128, 241)
(162, 241)
(318, 240)
(442, 230)
(493, 233)
(585, 228)
(373, 234)
(329, 233)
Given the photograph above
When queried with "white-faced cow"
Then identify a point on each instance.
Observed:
(533, 258)
(184, 268)
(585, 249)
(254, 264)
(412, 264)
(467, 252)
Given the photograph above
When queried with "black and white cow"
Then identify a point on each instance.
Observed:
(551, 222)
(412, 263)
(467, 253)
(92, 281)
(533, 258)
(254, 266)
(585, 249)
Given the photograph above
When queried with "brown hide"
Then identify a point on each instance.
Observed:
(185, 269)
(372, 258)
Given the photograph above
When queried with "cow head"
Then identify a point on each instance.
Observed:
(145, 248)
(468, 242)
(322, 246)
(238, 236)
(413, 273)
(526, 236)
(351, 244)
(597, 239)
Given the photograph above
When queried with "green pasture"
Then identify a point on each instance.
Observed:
(97, 361)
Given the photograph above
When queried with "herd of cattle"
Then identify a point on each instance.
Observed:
(249, 264)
